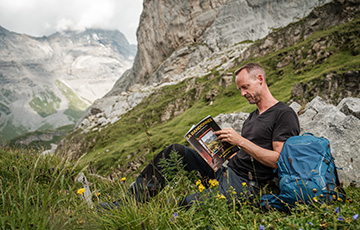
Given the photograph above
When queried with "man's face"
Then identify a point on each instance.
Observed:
(249, 86)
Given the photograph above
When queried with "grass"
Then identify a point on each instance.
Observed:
(36, 191)
(39, 192)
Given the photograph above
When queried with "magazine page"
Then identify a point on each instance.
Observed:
(205, 142)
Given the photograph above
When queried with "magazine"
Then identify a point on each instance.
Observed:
(205, 142)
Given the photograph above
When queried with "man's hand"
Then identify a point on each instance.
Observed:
(265, 156)
(229, 135)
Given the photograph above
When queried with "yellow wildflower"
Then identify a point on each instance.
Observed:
(334, 197)
(201, 187)
(123, 179)
(233, 192)
(222, 196)
(339, 199)
(244, 184)
(98, 194)
(198, 182)
(314, 190)
(213, 183)
(296, 203)
(81, 191)
(322, 195)
(315, 199)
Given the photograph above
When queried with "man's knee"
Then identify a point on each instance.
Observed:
(180, 149)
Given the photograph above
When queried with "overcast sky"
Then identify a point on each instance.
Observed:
(44, 17)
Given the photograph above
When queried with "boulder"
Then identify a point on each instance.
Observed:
(350, 105)
(341, 128)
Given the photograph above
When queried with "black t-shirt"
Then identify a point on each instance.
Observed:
(277, 123)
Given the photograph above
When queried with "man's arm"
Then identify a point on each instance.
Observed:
(264, 156)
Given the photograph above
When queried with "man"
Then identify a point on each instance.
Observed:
(263, 133)
(261, 140)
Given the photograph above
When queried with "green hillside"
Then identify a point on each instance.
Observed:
(152, 125)
(45, 103)
(76, 105)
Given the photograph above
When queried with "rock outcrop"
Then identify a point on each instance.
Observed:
(178, 39)
(339, 124)
(332, 87)
(209, 26)
(341, 127)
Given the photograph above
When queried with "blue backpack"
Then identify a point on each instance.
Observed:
(307, 174)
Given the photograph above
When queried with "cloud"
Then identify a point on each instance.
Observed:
(44, 17)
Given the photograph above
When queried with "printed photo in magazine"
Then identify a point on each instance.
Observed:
(205, 142)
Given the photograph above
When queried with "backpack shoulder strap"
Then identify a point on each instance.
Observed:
(337, 183)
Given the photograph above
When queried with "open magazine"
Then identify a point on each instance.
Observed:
(205, 142)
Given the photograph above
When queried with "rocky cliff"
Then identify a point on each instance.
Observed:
(47, 82)
(182, 39)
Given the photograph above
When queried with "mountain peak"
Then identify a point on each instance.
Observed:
(47, 82)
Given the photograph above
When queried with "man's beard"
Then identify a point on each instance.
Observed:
(253, 99)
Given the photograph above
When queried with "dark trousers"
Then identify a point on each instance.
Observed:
(150, 181)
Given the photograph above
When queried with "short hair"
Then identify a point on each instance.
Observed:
(250, 67)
